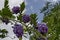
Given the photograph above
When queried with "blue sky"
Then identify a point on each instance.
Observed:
(34, 6)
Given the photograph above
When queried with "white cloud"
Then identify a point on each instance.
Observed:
(1, 4)
(15, 3)
(11, 3)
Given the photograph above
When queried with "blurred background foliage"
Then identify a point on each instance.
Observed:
(52, 18)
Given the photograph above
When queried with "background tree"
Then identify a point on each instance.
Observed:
(52, 18)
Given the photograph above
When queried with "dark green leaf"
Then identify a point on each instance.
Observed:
(6, 3)
(33, 19)
(20, 18)
(4, 31)
(5, 12)
(22, 7)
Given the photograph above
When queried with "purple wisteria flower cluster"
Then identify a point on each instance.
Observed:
(16, 9)
(18, 30)
(42, 28)
(26, 18)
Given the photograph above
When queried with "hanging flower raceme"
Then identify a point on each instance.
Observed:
(26, 18)
(16, 9)
(42, 28)
(18, 30)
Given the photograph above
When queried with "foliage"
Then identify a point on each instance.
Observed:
(5, 12)
(53, 20)
(3, 33)
(33, 19)
(22, 7)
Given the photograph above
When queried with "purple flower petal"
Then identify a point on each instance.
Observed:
(26, 18)
(16, 9)
(18, 30)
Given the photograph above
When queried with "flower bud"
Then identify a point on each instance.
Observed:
(16, 9)
(26, 18)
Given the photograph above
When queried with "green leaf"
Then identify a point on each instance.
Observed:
(5, 12)
(19, 18)
(6, 3)
(33, 19)
(2, 36)
(4, 31)
(22, 7)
